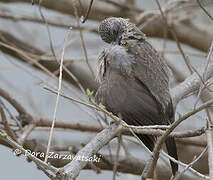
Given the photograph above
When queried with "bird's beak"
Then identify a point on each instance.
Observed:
(118, 38)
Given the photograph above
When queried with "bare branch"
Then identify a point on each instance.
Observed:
(188, 32)
(4, 137)
(178, 176)
(13, 102)
(8, 130)
(148, 170)
(71, 170)
(209, 137)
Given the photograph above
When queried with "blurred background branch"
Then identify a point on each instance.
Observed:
(27, 61)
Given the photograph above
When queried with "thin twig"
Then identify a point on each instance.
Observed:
(192, 142)
(108, 113)
(124, 6)
(117, 158)
(87, 13)
(48, 30)
(8, 130)
(150, 166)
(91, 128)
(207, 13)
(53, 51)
(37, 63)
(13, 102)
(12, 17)
(178, 176)
(6, 138)
(126, 164)
(57, 99)
(174, 34)
(82, 38)
(29, 59)
(209, 139)
(205, 70)
(11, 115)
(26, 132)
(201, 176)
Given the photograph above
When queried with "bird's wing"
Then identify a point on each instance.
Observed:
(150, 68)
(128, 98)
(125, 95)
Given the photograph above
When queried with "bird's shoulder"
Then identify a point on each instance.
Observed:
(130, 98)
(150, 68)
(146, 55)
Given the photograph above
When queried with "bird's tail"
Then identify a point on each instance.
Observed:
(147, 140)
(172, 151)
(170, 145)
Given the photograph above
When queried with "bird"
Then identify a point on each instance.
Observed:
(134, 81)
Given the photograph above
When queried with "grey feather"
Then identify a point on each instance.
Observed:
(134, 80)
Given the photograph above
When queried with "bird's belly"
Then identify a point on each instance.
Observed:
(127, 98)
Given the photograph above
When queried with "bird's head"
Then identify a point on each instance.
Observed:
(111, 29)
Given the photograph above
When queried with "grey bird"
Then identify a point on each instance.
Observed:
(134, 81)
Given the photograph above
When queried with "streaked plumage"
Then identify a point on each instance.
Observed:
(134, 80)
